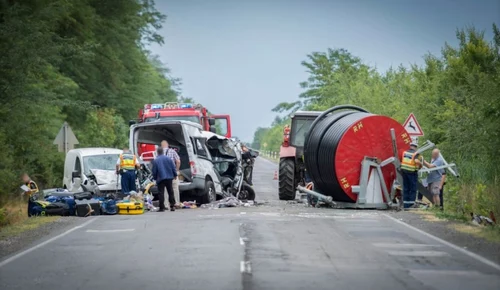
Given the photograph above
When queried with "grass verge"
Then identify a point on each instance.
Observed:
(14, 218)
(462, 224)
(26, 225)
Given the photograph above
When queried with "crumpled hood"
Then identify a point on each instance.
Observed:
(104, 176)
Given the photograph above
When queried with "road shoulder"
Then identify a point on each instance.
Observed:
(19, 237)
(451, 231)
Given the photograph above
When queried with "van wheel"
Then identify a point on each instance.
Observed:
(209, 195)
(247, 192)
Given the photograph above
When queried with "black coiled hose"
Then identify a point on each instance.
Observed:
(321, 145)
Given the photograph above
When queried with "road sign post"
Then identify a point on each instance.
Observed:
(65, 139)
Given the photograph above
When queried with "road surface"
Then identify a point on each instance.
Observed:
(277, 245)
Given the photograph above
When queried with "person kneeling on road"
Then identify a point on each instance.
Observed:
(164, 172)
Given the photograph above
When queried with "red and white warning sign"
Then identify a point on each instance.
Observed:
(412, 127)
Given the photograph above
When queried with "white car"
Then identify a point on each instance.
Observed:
(197, 173)
(92, 167)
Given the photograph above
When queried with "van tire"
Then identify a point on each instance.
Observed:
(209, 194)
(249, 192)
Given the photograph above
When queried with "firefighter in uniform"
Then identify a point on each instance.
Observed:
(126, 166)
(410, 164)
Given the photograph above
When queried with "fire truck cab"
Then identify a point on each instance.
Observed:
(174, 111)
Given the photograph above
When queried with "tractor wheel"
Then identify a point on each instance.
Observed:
(287, 179)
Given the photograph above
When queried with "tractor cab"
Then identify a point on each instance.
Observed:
(291, 167)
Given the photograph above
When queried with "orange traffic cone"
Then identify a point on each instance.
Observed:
(275, 175)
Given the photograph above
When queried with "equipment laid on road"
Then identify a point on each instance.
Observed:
(130, 208)
(350, 155)
(86, 208)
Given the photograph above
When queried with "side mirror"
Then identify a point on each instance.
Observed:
(211, 121)
(132, 122)
(213, 129)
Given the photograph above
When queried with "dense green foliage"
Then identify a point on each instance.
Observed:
(455, 97)
(80, 61)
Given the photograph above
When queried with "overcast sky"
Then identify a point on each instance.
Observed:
(243, 57)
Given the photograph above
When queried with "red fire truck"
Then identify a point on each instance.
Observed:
(220, 124)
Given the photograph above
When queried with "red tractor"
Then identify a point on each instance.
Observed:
(291, 167)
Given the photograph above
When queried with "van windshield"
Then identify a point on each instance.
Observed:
(102, 162)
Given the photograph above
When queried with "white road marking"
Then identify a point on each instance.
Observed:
(455, 247)
(270, 214)
(243, 241)
(419, 253)
(245, 267)
(243, 212)
(19, 255)
(110, 231)
(395, 245)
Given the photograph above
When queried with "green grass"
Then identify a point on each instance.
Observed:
(25, 225)
(462, 224)
(447, 215)
(14, 218)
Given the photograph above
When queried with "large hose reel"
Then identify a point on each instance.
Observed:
(338, 141)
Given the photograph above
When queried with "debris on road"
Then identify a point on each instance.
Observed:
(230, 201)
(188, 204)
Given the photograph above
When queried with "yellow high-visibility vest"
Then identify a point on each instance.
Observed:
(32, 186)
(408, 161)
(127, 161)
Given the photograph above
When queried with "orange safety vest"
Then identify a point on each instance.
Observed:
(127, 161)
(408, 161)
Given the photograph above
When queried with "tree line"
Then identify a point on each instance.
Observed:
(81, 61)
(455, 96)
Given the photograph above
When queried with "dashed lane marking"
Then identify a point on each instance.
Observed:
(245, 267)
(110, 231)
(419, 253)
(395, 245)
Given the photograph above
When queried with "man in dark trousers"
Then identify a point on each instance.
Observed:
(126, 166)
(410, 164)
(164, 171)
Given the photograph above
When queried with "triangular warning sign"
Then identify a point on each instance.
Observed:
(412, 127)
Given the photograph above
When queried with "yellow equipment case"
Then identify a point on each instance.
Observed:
(130, 207)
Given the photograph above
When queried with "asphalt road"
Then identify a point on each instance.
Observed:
(277, 245)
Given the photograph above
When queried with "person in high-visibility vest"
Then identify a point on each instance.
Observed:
(30, 190)
(125, 166)
(30, 184)
(410, 164)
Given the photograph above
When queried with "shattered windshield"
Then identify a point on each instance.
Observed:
(102, 162)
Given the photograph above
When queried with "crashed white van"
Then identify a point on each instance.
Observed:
(91, 167)
(197, 174)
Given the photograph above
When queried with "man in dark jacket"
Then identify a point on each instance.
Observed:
(164, 172)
